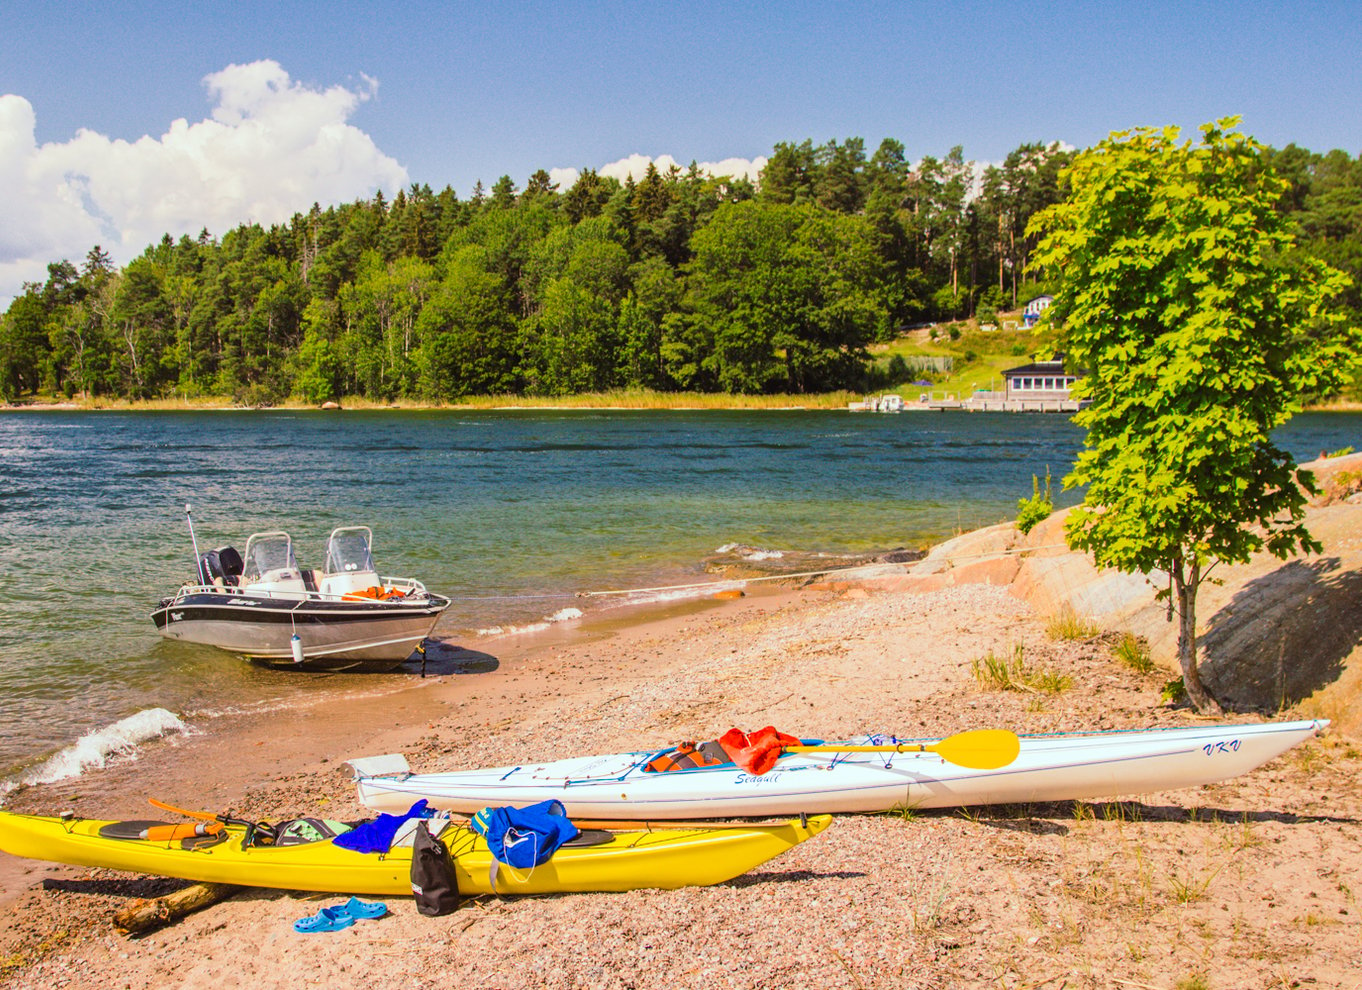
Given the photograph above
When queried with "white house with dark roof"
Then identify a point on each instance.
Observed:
(1039, 380)
(1041, 386)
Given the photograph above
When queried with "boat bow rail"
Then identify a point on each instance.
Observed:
(410, 590)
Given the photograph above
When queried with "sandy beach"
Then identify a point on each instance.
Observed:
(1250, 883)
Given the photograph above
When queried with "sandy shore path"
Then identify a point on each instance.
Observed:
(1252, 883)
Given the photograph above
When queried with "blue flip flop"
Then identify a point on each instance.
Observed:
(356, 908)
(328, 919)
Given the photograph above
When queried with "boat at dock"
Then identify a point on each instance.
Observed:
(838, 778)
(264, 606)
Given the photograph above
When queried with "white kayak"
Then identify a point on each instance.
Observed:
(1058, 767)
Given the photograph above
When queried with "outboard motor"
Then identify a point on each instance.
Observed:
(224, 563)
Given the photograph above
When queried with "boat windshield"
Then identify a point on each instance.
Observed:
(267, 552)
(348, 550)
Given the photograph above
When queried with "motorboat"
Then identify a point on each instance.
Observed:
(264, 606)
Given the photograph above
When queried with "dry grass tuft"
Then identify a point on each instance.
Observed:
(1066, 624)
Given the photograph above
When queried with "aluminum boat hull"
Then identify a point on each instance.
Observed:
(261, 627)
(1049, 768)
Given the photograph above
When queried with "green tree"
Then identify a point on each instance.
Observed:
(382, 308)
(1199, 339)
(142, 319)
(841, 180)
(588, 195)
(24, 346)
(540, 185)
(318, 360)
(467, 332)
(503, 193)
(791, 174)
(655, 294)
(790, 294)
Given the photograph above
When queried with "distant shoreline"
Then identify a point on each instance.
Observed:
(599, 402)
(688, 401)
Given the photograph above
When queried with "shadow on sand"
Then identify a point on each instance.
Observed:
(449, 658)
(1047, 819)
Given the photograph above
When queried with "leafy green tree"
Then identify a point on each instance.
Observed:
(382, 308)
(569, 344)
(318, 360)
(789, 293)
(1330, 217)
(143, 320)
(509, 238)
(655, 294)
(24, 346)
(1199, 339)
(651, 196)
(947, 187)
(467, 331)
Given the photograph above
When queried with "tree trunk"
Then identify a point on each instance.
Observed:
(1186, 585)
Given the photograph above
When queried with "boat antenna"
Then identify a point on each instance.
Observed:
(198, 563)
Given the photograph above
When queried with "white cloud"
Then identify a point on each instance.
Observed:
(636, 165)
(270, 148)
(563, 178)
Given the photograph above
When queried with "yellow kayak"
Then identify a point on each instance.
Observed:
(665, 858)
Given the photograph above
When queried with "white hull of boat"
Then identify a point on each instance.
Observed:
(1057, 767)
(262, 627)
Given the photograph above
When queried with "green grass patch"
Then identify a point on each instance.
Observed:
(978, 357)
(1133, 652)
(1003, 674)
(1034, 510)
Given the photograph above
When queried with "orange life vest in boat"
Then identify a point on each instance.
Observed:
(376, 593)
(687, 756)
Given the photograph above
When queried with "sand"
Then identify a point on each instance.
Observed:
(1250, 883)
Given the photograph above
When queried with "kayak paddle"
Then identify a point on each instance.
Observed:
(207, 816)
(978, 749)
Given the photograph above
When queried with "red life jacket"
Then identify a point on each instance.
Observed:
(758, 752)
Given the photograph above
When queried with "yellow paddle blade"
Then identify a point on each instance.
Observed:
(979, 749)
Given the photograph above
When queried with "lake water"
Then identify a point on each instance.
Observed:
(512, 513)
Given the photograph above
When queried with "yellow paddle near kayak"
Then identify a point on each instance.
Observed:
(978, 749)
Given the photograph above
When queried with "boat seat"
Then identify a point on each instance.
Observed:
(281, 580)
(348, 582)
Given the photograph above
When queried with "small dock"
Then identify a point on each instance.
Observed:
(984, 401)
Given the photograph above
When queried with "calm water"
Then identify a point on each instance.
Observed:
(504, 510)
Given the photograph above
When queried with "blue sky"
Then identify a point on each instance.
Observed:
(330, 101)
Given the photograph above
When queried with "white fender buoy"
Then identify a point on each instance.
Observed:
(296, 645)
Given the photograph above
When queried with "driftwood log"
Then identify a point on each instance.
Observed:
(147, 914)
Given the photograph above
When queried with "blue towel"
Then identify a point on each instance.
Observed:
(525, 837)
(376, 836)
